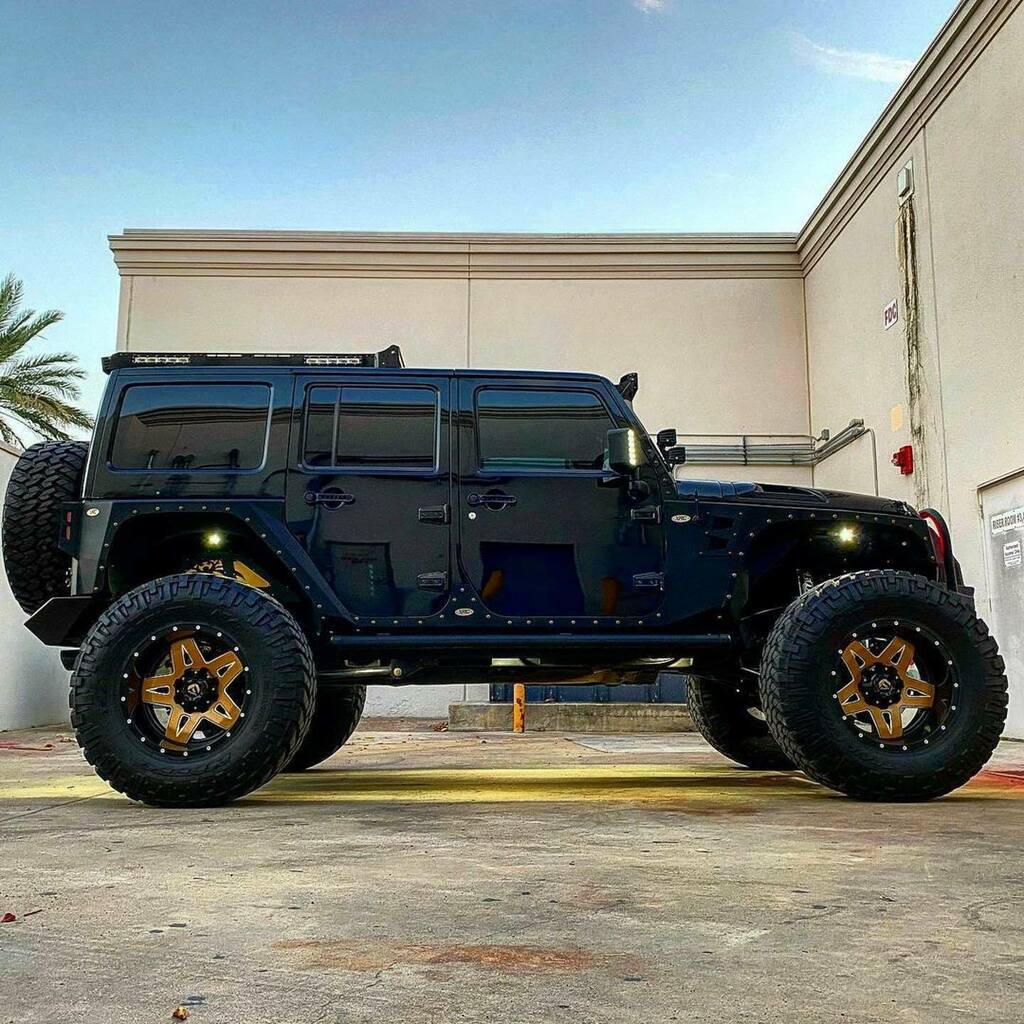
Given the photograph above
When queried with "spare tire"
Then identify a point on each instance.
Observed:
(44, 477)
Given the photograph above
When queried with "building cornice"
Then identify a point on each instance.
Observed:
(496, 256)
(969, 29)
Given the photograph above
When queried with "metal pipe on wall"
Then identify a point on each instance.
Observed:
(795, 450)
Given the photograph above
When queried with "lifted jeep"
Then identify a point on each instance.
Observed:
(249, 540)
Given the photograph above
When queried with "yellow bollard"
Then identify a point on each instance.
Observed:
(519, 707)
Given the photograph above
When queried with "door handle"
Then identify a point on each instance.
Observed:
(649, 580)
(646, 514)
(432, 581)
(493, 501)
(330, 498)
(434, 514)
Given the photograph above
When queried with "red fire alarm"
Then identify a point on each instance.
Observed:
(903, 458)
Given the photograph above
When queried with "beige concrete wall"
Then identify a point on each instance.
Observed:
(290, 314)
(975, 169)
(714, 355)
(856, 368)
(968, 166)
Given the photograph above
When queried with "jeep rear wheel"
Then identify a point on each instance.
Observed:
(337, 713)
(192, 691)
(728, 715)
(45, 476)
(885, 686)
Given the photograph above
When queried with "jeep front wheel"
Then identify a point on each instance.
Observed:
(885, 686)
(192, 691)
(728, 715)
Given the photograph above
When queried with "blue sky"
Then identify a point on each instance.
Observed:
(459, 115)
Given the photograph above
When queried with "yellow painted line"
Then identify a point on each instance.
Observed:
(665, 785)
(577, 783)
(658, 784)
(704, 787)
(58, 787)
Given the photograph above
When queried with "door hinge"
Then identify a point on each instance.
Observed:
(646, 514)
(434, 514)
(649, 580)
(432, 581)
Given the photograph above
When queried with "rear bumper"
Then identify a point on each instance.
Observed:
(952, 574)
(64, 621)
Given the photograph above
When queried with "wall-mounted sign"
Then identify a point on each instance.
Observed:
(1004, 522)
(1011, 554)
(891, 314)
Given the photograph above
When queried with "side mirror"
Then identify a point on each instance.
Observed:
(628, 386)
(624, 452)
(666, 439)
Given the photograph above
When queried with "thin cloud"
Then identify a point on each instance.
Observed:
(650, 6)
(876, 67)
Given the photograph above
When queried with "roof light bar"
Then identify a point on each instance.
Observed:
(140, 360)
(332, 361)
(388, 358)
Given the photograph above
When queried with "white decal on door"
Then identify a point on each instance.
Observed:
(1011, 554)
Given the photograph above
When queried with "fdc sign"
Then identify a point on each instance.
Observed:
(891, 314)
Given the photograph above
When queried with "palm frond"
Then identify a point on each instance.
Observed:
(58, 372)
(40, 420)
(8, 434)
(45, 404)
(37, 424)
(10, 299)
(25, 327)
(36, 391)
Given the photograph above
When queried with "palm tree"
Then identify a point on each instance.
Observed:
(37, 392)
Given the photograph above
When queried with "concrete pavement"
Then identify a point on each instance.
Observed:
(426, 876)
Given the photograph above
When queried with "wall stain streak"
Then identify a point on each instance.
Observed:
(906, 243)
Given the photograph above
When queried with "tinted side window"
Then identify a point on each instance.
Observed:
(321, 425)
(363, 425)
(541, 429)
(187, 427)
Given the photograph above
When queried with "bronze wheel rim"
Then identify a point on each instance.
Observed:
(185, 690)
(896, 684)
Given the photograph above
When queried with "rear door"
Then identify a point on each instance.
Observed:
(545, 530)
(369, 495)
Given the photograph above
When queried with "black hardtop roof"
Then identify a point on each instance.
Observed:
(389, 359)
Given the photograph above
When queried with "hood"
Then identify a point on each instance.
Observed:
(790, 496)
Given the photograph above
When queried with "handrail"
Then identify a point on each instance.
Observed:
(790, 450)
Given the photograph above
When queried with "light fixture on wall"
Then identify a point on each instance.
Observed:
(905, 182)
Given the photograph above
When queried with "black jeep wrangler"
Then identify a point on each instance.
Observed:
(249, 540)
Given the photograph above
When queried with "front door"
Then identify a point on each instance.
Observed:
(544, 529)
(370, 495)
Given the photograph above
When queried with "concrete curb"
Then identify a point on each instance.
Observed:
(572, 717)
